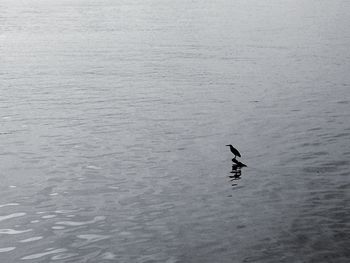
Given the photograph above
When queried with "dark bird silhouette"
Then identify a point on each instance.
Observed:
(234, 151)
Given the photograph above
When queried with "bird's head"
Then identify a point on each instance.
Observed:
(228, 145)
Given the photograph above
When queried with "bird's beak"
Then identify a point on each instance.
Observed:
(227, 145)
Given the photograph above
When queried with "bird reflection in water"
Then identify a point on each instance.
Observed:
(237, 166)
(238, 163)
(236, 173)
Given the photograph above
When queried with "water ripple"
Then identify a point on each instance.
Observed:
(31, 239)
(13, 232)
(48, 216)
(90, 238)
(39, 255)
(134, 131)
(108, 256)
(81, 223)
(7, 249)
(63, 256)
(9, 204)
(2, 218)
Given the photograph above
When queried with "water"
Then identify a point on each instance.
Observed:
(115, 116)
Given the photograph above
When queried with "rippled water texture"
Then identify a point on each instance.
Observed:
(115, 115)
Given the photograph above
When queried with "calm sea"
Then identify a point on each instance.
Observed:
(114, 116)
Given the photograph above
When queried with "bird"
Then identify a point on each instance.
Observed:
(234, 151)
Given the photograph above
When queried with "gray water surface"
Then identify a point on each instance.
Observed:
(114, 116)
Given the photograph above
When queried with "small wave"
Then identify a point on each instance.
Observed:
(41, 212)
(2, 218)
(48, 216)
(31, 239)
(63, 211)
(9, 204)
(13, 232)
(39, 255)
(93, 238)
(64, 256)
(58, 227)
(81, 223)
(93, 167)
(108, 256)
(7, 249)
(343, 134)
